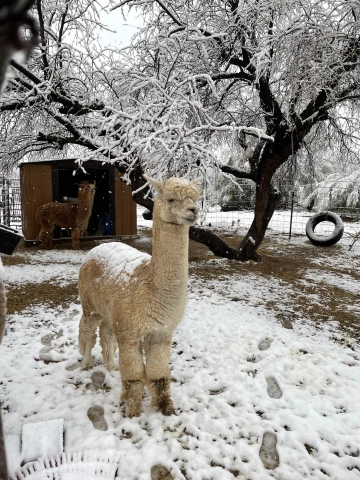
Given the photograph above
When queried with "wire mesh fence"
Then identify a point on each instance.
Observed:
(235, 213)
(10, 202)
(233, 210)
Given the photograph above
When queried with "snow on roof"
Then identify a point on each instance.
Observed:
(49, 160)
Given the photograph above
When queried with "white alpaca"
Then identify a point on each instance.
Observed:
(137, 300)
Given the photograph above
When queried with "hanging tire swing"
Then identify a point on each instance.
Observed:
(322, 241)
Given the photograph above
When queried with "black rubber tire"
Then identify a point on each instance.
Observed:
(331, 239)
(147, 214)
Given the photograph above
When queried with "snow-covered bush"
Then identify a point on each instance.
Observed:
(334, 193)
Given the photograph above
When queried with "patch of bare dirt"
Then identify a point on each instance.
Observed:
(32, 294)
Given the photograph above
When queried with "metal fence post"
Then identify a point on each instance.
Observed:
(7, 203)
(291, 212)
(3, 201)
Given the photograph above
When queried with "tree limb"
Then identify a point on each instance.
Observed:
(216, 244)
(236, 172)
(43, 39)
(69, 106)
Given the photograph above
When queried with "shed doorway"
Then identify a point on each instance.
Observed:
(100, 222)
(114, 210)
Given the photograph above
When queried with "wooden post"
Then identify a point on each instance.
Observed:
(3, 467)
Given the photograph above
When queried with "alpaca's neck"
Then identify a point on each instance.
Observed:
(84, 204)
(170, 245)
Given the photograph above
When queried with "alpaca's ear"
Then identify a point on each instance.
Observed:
(155, 183)
(198, 180)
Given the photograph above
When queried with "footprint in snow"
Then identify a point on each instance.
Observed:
(97, 379)
(268, 453)
(265, 344)
(47, 339)
(158, 472)
(273, 388)
(45, 352)
(96, 416)
(287, 323)
(73, 366)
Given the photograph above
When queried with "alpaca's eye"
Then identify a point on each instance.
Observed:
(171, 200)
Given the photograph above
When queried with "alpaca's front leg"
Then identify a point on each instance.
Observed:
(133, 376)
(157, 349)
(75, 238)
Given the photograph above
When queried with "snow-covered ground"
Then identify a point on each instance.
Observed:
(237, 375)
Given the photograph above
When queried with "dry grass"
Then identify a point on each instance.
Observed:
(285, 263)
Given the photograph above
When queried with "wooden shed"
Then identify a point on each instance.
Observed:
(114, 210)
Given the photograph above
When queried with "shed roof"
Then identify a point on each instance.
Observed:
(68, 160)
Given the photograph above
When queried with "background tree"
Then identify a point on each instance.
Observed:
(272, 76)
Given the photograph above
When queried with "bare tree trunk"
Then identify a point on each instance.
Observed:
(267, 199)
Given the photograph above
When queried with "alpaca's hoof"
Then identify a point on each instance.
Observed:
(132, 397)
(111, 366)
(86, 365)
(167, 410)
(164, 405)
(161, 397)
(132, 411)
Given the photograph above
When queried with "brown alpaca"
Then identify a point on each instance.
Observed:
(85, 224)
(67, 215)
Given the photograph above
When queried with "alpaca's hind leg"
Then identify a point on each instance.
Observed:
(108, 344)
(133, 376)
(157, 349)
(46, 234)
(87, 339)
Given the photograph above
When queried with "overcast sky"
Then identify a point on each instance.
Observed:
(122, 29)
